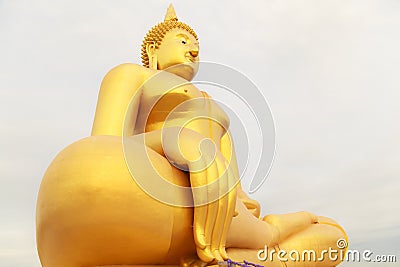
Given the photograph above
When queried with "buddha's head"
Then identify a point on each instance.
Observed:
(172, 46)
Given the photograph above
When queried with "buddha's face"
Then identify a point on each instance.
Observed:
(178, 53)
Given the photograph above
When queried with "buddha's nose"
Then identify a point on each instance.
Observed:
(194, 53)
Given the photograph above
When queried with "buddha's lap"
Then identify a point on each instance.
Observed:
(309, 247)
(317, 244)
(88, 194)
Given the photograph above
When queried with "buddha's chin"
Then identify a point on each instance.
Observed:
(186, 71)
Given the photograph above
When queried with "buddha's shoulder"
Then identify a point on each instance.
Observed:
(128, 68)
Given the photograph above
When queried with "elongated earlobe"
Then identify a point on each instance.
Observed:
(151, 52)
(153, 62)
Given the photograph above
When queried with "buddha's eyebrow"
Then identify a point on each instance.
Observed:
(183, 35)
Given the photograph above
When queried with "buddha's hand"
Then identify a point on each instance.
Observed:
(213, 185)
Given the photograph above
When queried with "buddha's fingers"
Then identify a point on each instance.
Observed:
(222, 209)
(213, 205)
(231, 196)
(198, 179)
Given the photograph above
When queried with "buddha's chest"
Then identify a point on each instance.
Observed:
(183, 106)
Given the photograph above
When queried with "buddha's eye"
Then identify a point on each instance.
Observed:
(183, 42)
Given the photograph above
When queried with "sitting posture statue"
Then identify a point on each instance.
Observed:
(91, 211)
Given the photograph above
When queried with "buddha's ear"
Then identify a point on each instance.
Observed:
(151, 53)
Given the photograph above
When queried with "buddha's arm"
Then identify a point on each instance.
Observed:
(206, 166)
(228, 150)
(118, 87)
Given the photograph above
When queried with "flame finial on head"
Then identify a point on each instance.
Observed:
(170, 15)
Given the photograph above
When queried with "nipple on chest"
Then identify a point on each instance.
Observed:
(171, 100)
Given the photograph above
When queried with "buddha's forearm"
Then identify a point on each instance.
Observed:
(180, 145)
(152, 140)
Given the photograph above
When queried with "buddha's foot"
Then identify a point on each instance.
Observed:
(288, 224)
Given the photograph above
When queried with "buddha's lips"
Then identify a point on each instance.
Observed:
(190, 57)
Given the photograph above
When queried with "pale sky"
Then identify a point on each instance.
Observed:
(328, 69)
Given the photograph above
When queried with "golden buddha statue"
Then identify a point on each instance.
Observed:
(90, 212)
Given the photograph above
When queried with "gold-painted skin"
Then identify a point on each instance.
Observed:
(91, 212)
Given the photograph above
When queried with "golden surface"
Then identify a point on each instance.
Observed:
(91, 210)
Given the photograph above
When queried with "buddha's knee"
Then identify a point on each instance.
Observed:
(323, 244)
